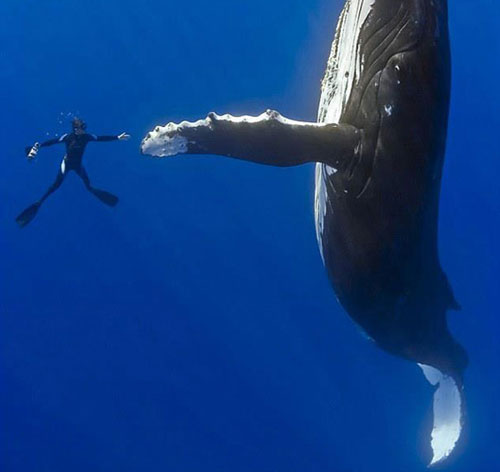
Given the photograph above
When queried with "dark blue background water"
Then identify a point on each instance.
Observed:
(193, 328)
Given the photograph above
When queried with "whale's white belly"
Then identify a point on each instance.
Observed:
(343, 69)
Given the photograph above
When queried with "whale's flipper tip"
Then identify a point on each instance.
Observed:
(448, 414)
(165, 141)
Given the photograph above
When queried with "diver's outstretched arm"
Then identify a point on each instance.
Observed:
(32, 151)
(266, 139)
(50, 142)
(113, 137)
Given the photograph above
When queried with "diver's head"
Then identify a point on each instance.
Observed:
(79, 126)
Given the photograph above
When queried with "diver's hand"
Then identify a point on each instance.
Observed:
(123, 137)
(33, 151)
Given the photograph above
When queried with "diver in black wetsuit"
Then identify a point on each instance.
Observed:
(75, 146)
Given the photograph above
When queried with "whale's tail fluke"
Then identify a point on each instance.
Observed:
(448, 410)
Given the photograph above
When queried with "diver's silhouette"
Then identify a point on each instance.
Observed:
(75, 146)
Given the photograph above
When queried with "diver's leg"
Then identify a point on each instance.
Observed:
(105, 197)
(82, 173)
(57, 183)
(29, 213)
(266, 139)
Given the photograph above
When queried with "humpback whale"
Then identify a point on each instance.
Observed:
(378, 146)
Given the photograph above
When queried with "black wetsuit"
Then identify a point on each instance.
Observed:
(75, 147)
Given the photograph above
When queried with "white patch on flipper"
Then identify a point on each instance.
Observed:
(159, 145)
(447, 413)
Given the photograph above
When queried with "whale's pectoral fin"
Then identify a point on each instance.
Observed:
(266, 139)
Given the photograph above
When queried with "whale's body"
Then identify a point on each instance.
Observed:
(377, 218)
(379, 146)
(377, 215)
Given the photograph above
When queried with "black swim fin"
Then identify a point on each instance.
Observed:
(28, 214)
(105, 197)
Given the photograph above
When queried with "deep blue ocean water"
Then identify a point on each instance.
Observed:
(192, 328)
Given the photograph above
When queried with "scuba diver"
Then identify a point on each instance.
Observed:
(75, 146)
